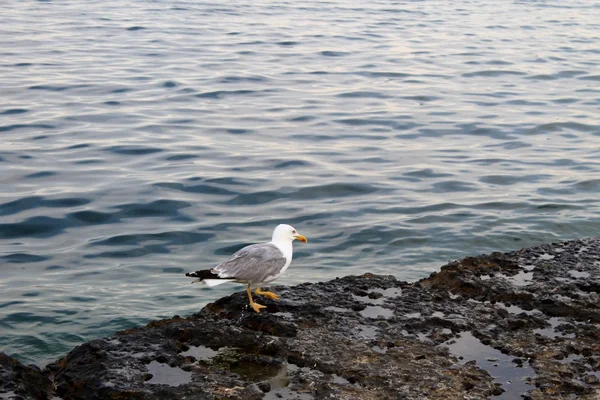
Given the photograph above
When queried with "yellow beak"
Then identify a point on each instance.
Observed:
(300, 238)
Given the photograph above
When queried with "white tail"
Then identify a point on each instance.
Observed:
(216, 282)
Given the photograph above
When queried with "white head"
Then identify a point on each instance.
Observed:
(286, 233)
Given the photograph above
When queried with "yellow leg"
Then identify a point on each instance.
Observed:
(270, 295)
(255, 306)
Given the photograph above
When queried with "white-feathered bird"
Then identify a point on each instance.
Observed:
(255, 264)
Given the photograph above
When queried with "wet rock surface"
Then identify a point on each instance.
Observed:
(500, 326)
(21, 381)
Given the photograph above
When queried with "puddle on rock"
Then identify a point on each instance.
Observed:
(249, 367)
(200, 352)
(527, 267)
(164, 374)
(569, 359)
(579, 274)
(340, 380)
(286, 393)
(517, 310)
(423, 338)
(337, 309)
(546, 257)
(551, 332)
(281, 379)
(391, 292)
(280, 382)
(522, 278)
(386, 294)
(376, 311)
(368, 332)
(380, 350)
(501, 368)
(284, 314)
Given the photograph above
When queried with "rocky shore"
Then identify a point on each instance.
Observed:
(502, 326)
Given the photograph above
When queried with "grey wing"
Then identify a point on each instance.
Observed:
(253, 263)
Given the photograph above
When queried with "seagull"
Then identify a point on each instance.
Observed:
(255, 264)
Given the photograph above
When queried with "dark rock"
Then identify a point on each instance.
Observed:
(520, 323)
(21, 381)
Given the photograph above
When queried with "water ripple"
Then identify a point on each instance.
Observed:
(27, 203)
(163, 146)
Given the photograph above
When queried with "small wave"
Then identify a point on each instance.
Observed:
(427, 173)
(287, 43)
(560, 126)
(452, 186)
(587, 186)
(291, 164)
(313, 192)
(590, 78)
(220, 94)
(7, 128)
(383, 74)
(28, 203)
(41, 174)
(234, 181)
(491, 73)
(13, 111)
(331, 53)
(169, 238)
(202, 188)
(423, 99)
(508, 180)
(78, 146)
(519, 102)
(565, 100)
(233, 131)
(122, 90)
(33, 227)
(56, 88)
(181, 157)
(93, 217)
(378, 122)
(21, 258)
(302, 118)
(243, 79)
(130, 253)
(559, 75)
(133, 150)
(363, 94)
(510, 145)
(158, 208)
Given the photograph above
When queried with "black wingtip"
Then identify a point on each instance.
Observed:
(204, 274)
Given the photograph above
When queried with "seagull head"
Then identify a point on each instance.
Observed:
(287, 233)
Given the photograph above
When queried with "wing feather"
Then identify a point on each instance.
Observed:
(253, 263)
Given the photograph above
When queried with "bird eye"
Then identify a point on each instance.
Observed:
(294, 231)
